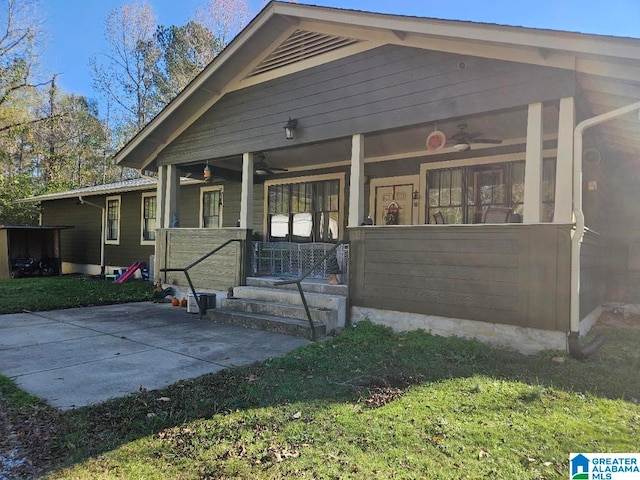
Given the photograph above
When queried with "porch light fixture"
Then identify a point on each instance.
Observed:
(290, 127)
(416, 197)
(207, 172)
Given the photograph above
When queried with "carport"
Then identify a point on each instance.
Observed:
(23, 249)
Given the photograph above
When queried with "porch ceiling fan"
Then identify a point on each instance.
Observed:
(261, 167)
(462, 140)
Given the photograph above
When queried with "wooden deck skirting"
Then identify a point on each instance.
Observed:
(513, 274)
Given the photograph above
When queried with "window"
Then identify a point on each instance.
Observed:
(304, 212)
(463, 194)
(113, 220)
(211, 207)
(149, 209)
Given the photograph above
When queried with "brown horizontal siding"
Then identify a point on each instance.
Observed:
(178, 248)
(510, 274)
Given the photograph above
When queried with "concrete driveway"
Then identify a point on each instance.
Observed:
(77, 357)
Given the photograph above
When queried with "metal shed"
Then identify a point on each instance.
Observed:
(30, 251)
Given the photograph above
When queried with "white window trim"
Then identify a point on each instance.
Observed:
(467, 162)
(220, 188)
(142, 239)
(106, 219)
(310, 178)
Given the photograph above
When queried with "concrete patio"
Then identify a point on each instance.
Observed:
(77, 357)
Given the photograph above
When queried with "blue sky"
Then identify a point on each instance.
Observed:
(75, 27)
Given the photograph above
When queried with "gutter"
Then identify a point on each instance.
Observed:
(575, 349)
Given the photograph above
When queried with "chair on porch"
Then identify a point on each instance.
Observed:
(438, 218)
(497, 215)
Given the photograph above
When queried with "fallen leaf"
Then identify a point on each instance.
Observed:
(297, 415)
(483, 454)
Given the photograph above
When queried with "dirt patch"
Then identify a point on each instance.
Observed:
(27, 435)
(618, 320)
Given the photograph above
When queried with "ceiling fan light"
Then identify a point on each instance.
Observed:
(261, 171)
(461, 147)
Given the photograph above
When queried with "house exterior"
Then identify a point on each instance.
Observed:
(127, 210)
(427, 127)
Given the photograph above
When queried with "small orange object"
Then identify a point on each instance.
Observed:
(175, 302)
(183, 302)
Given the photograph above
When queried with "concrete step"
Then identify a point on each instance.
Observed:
(287, 310)
(291, 297)
(309, 285)
(259, 321)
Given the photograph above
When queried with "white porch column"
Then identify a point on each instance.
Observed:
(563, 212)
(171, 203)
(246, 199)
(160, 197)
(356, 187)
(533, 166)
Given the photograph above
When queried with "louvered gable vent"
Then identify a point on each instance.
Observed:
(301, 45)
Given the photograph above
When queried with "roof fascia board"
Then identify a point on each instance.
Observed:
(63, 195)
(96, 193)
(451, 45)
(483, 32)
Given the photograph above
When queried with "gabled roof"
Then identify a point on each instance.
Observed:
(131, 185)
(284, 38)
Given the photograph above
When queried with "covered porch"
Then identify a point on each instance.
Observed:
(513, 271)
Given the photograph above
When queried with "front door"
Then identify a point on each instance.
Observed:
(394, 204)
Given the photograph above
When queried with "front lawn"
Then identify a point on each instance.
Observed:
(52, 293)
(368, 403)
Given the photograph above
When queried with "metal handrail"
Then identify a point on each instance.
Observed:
(299, 280)
(193, 264)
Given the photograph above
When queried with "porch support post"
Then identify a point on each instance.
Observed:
(171, 200)
(533, 166)
(563, 212)
(246, 199)
(160, 196)
(356, 186)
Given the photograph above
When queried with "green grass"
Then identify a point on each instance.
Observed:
(368, 403)
(51, 293)
(17, 398)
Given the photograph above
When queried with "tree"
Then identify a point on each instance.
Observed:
(224, 18)
(71, 146)
(185, 51)
(20, 34)
(126, 75)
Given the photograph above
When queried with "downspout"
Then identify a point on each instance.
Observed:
(102, 233)
(575, 349)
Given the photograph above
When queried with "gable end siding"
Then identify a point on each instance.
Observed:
(388, 87)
